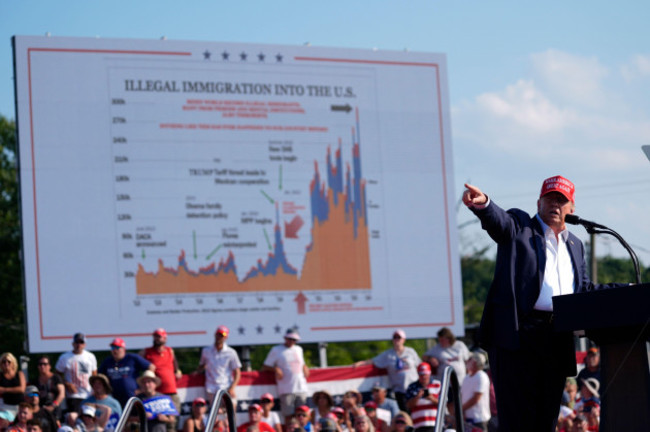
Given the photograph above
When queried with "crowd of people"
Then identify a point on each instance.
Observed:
(78, 395)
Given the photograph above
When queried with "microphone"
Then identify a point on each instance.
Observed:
(577, 220)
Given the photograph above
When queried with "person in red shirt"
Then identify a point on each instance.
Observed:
(255, 419)
(162, 356)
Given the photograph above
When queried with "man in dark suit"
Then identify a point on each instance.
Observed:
(537, 259)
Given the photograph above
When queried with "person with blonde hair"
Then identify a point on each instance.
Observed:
(401, 421)
(362, 423)
(12, 383)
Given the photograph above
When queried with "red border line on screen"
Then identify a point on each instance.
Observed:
(444, 181)
(31, 128)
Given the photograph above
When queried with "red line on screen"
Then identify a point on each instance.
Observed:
(31, 126)
(444, 177)
(113, 335)
(380, 326)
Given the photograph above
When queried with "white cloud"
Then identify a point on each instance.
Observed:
(638, 67)
(571, 78)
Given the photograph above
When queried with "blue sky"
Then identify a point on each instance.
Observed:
(537, 89)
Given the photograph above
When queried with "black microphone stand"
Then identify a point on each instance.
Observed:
(594, 228)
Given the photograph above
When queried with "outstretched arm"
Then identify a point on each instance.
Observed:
(472, 196)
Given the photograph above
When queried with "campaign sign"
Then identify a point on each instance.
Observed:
(161, 404)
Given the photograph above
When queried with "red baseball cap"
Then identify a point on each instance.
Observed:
(223, 331)
(119, 342)
(268, 396)
(424, 368)
(302, 408)
(160, 332)
(199, 400)
(370, 405)
(561, 185)
(255, 407)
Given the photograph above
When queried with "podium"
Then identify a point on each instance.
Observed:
(618, 320)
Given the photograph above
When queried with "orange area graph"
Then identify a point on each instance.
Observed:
(338, 257)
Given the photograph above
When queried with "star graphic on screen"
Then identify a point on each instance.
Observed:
(225, 55)
(241, 330)
(261, 57)
(338, 399)
(259, 329)
(277, 329)
(206, 55)
(243, 56)
(243, 406)
(278, 58)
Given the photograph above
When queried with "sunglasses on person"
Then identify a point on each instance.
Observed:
(266, 401)
(44, 364)
(400, 422)
(302, 414)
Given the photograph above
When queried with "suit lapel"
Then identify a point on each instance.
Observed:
(574, 251)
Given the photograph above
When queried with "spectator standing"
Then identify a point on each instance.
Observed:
(448, 352)
(291, 373)
(122, 370)
(12, 383)
(108, 409)
(268, 416)
(401, 363)
(50, 387)
(475, 393)
(255, 420)
(48, 422)
(384, 403)
(221, 366)
(76, 366)
(592, 367)
(422, 399)
(164, 359)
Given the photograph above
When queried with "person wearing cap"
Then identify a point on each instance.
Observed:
(122, 369)
(76, 367)
(475, 392)
(291, 373)
(108, 409)
(198, 419)
(268, 416)
(371, 411)
(221, 365)
(422, 399)
(537, 259)
(32, 397)
(164, 359)
(386, 407)
(592, 367)
(255, 420)
(327, 424)
(303, 415)
(400, 362)
(159, 407)
(87, 421)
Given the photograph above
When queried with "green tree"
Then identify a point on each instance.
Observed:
(12, 328)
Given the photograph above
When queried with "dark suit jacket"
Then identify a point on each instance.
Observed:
(518, 277)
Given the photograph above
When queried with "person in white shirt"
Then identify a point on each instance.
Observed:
(221, 365)
(291, 373)
(77, 366)
(475, 392)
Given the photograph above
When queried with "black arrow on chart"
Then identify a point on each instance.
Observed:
(347, 108)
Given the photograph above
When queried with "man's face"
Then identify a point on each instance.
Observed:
(24, 414)
(553, 208)
(219, 338)
(254, 415)
(289, 342)
(98, 387)
(303, 418)
(424, 378)
(117, 352)
(378, 395)
(148, 386)
(32, 399)
(33, 428)
(78, 346)
(159, 340)
(592, 361)
(398, 342)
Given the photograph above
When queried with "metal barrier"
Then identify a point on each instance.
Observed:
(449, 378)
(125, 418)
(214, 411)
(125, 424)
